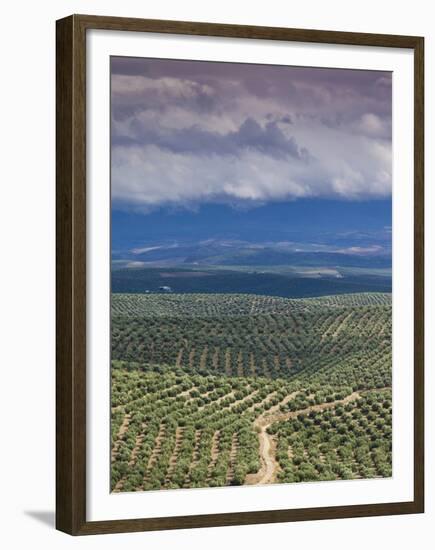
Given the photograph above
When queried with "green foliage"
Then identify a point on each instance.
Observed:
(339, 340)
(184, 428)
(338, 443)
(192, 373)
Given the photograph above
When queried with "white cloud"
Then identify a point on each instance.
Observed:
(151, 176)
(372, 125)
(126, 86)
(362, 250)
(187, 140)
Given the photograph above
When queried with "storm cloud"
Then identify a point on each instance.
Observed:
(186, 132)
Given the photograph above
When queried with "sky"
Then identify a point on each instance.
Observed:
(334, 222)
(186, 133)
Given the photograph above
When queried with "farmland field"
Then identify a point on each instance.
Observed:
(213, 390)
(301, 282)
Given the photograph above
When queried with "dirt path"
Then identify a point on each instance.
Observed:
(203, 359)
(267, 452)
(179, 360)
(228, 370)
(276, 407)
(342, 324)
(155, 452)
(138, 443)
(122, 430)
(216, 401)
(264, 401)
(233, 458)
(238, 402)
(269, 466)
(195, 457)
(179, 432)
(214, 453)
(137, 400)
(271, 417)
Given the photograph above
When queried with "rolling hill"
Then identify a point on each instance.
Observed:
(214, 390)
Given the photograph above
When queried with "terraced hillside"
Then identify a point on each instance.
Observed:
(245, 335)
(345, 441)
(240, 389)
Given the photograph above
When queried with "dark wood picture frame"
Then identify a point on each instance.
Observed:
(71, 274)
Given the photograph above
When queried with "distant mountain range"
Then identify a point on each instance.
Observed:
(214, 252)
(291, 249)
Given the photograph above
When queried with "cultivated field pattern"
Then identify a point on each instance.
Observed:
(212, 390)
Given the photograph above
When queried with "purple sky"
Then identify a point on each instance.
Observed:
(190, 132)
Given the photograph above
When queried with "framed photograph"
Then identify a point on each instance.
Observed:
(239, 275)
